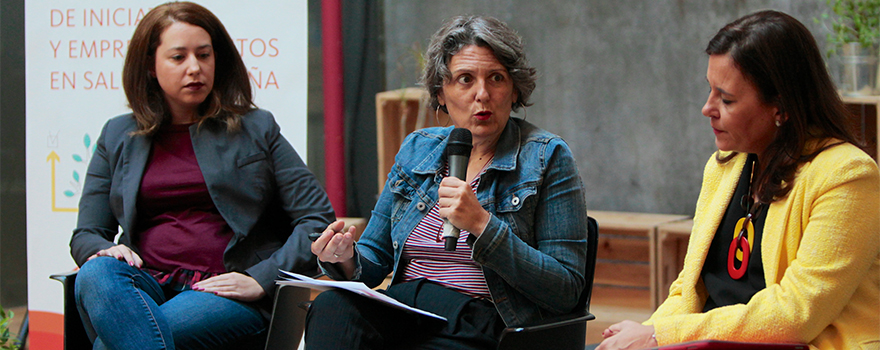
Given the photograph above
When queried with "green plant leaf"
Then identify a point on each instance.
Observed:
(77, 158)
(852, 21)
(68, 193)
(7, 341)
(87, 141)
(75, 176)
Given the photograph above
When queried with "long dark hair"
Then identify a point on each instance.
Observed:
(231, 96)
(780, 57)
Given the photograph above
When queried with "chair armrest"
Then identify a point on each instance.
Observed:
(75, 336)
(564, 332)
(288, 319)
(62, 277)
(554, 322)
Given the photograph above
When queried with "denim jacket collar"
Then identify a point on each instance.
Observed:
(508, 143)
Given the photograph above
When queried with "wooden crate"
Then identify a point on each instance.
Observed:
(359, 224)
(672, 243)
(398, 113)
(625, 263)
(865, 115)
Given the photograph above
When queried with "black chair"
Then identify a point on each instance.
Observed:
(75, 336)
(567, 331)
(288, 322)
(23, 331)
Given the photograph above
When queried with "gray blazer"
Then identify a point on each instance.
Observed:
(259, 184)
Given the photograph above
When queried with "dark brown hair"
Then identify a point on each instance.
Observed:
(482, 31)
(780, 57)
(231, 95)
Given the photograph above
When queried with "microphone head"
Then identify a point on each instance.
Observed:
(460, 142)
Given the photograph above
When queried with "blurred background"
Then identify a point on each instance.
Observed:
(621, 81)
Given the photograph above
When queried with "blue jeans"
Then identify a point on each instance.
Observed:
(123, 307)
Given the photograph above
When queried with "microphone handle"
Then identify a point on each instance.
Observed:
(450, 236)
(457, 168)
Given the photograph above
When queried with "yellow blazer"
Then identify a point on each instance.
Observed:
(821, 255)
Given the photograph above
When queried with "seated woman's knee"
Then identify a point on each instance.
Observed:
(94, 271)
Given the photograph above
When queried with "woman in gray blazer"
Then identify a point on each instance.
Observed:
(211, 199)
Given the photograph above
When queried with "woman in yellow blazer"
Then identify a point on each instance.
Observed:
(786, 240)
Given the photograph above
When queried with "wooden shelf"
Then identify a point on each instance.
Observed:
(865, 112)
(860, 99)
(626, 263)
(398, 113)
(672, 243)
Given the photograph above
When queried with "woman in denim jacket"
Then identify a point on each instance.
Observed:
(521, 253)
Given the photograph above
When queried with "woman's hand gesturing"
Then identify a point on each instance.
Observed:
(335, 246)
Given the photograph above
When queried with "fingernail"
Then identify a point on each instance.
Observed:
(130, 263)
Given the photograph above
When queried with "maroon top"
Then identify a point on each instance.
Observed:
(180, 234)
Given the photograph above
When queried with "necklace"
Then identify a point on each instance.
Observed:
(744, 237)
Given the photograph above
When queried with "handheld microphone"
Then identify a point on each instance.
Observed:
(458, 150)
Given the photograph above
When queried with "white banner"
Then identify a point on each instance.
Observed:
(74, 56)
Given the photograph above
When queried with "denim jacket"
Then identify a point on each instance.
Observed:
(533, 249)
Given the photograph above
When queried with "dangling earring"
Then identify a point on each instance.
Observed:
(437, 110)
(437, 118)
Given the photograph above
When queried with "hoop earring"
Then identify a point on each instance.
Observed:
(525, 112)
(437, 118)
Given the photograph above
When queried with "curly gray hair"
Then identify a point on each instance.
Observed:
(483, 31)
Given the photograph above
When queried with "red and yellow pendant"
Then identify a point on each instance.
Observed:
(741, 247)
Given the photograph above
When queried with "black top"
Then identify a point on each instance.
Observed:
(722, 289)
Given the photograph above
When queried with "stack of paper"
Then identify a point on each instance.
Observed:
(294, 279)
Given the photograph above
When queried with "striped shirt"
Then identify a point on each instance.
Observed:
(424, 249)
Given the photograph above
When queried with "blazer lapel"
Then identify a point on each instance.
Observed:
(136, 151)
(718, 187)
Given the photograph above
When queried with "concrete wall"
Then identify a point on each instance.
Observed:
(621, 81)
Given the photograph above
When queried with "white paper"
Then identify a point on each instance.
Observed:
(294, 279)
